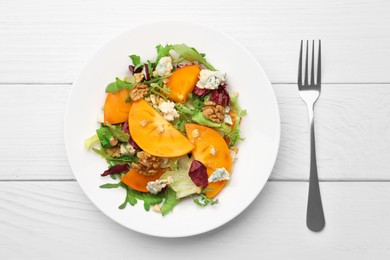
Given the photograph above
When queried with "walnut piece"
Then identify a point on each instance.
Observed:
(147, 165)
(138, 77)
(114, 151)
(214, 112)
(138, 92)
(113, 141)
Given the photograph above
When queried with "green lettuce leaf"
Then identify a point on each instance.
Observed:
(104, 134)
(182, 183)
(91, 141)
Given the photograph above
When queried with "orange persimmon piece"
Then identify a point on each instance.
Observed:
(211, 150)
(116, 109)
(154, 134)
(138, 181)
(182, 82)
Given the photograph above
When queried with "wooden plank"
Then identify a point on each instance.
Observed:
(31, 135)
(352, 133)
(50, 41)
(353, 139)
(56, 220)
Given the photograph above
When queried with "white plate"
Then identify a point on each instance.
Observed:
(261, 127)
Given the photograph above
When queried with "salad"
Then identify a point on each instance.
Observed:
(169, 130)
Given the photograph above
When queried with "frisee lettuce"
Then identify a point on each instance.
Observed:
(235, 136)
(202, 200)
(191, 54)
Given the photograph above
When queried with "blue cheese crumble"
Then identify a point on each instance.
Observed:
(164, 66)
(220, 174)
(168, 110)
(210, 79)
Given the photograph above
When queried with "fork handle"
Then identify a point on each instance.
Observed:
(315, 219)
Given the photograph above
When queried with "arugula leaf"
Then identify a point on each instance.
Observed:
(132, 196)
(159, 89)
(157, 80)
(203, 200)
(117, 85)
(191, 54)
(136, 61)
(152, 199)
(163, 51)
(111, 185)
(118, 133)
(104, 134)
(170, 202)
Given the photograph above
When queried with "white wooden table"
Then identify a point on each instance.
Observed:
(44, 213)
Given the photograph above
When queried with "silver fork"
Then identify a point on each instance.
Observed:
(315, 219)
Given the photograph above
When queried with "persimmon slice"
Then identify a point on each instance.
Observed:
(154, 134)
(211, 150)
(182, 82)
(138, 181)
(116, 109)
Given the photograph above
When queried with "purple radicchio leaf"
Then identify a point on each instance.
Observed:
(201, 92)
(116, 169)
(131, 69)
(146, 72)
(125, 127)
(198, 174)
(220, 96)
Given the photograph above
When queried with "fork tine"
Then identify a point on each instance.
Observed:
(306, 64)
(319, 65)
(312, 66)
(300, 66)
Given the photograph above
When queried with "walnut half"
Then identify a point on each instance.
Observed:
(139, 92)
(147, 165)
(214, 112)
